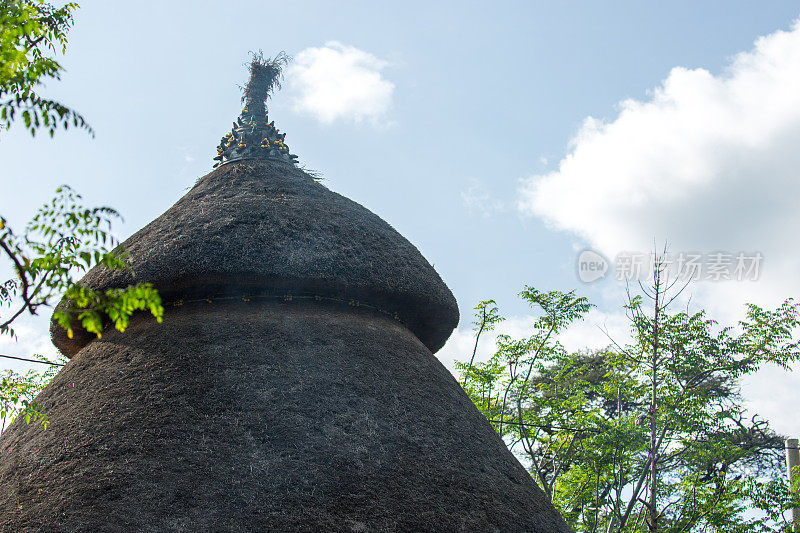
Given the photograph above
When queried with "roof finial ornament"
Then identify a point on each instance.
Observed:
(253, 136)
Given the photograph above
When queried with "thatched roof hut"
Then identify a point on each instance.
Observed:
(291, 386)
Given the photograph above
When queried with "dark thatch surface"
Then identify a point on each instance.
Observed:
(255, 226)
(262, 416)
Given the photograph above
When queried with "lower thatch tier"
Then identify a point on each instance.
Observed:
(264, 226)
(280, 417)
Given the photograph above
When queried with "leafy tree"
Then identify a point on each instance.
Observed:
(591, 425)
(487, 318)
(62, 240)
(18, 390)
(31, 33)
(65, 238)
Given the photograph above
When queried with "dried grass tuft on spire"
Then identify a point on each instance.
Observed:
(266, 74)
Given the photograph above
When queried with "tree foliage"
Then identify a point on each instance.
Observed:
(19, 390)
(582, 421)
(65, 239)
(32, 32)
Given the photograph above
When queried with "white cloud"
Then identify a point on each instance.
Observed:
(772, 393)
(337, 81)
(707, 163)
(597, 330)
(478, 200)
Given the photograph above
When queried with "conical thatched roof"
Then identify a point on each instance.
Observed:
(263, 228)
(263, 416)
(291, 386)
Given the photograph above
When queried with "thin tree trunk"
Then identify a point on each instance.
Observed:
(652, 523)
(475, 349)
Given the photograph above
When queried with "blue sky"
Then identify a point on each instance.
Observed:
(461, 108)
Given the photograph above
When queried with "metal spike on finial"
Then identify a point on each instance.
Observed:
(253, 136)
